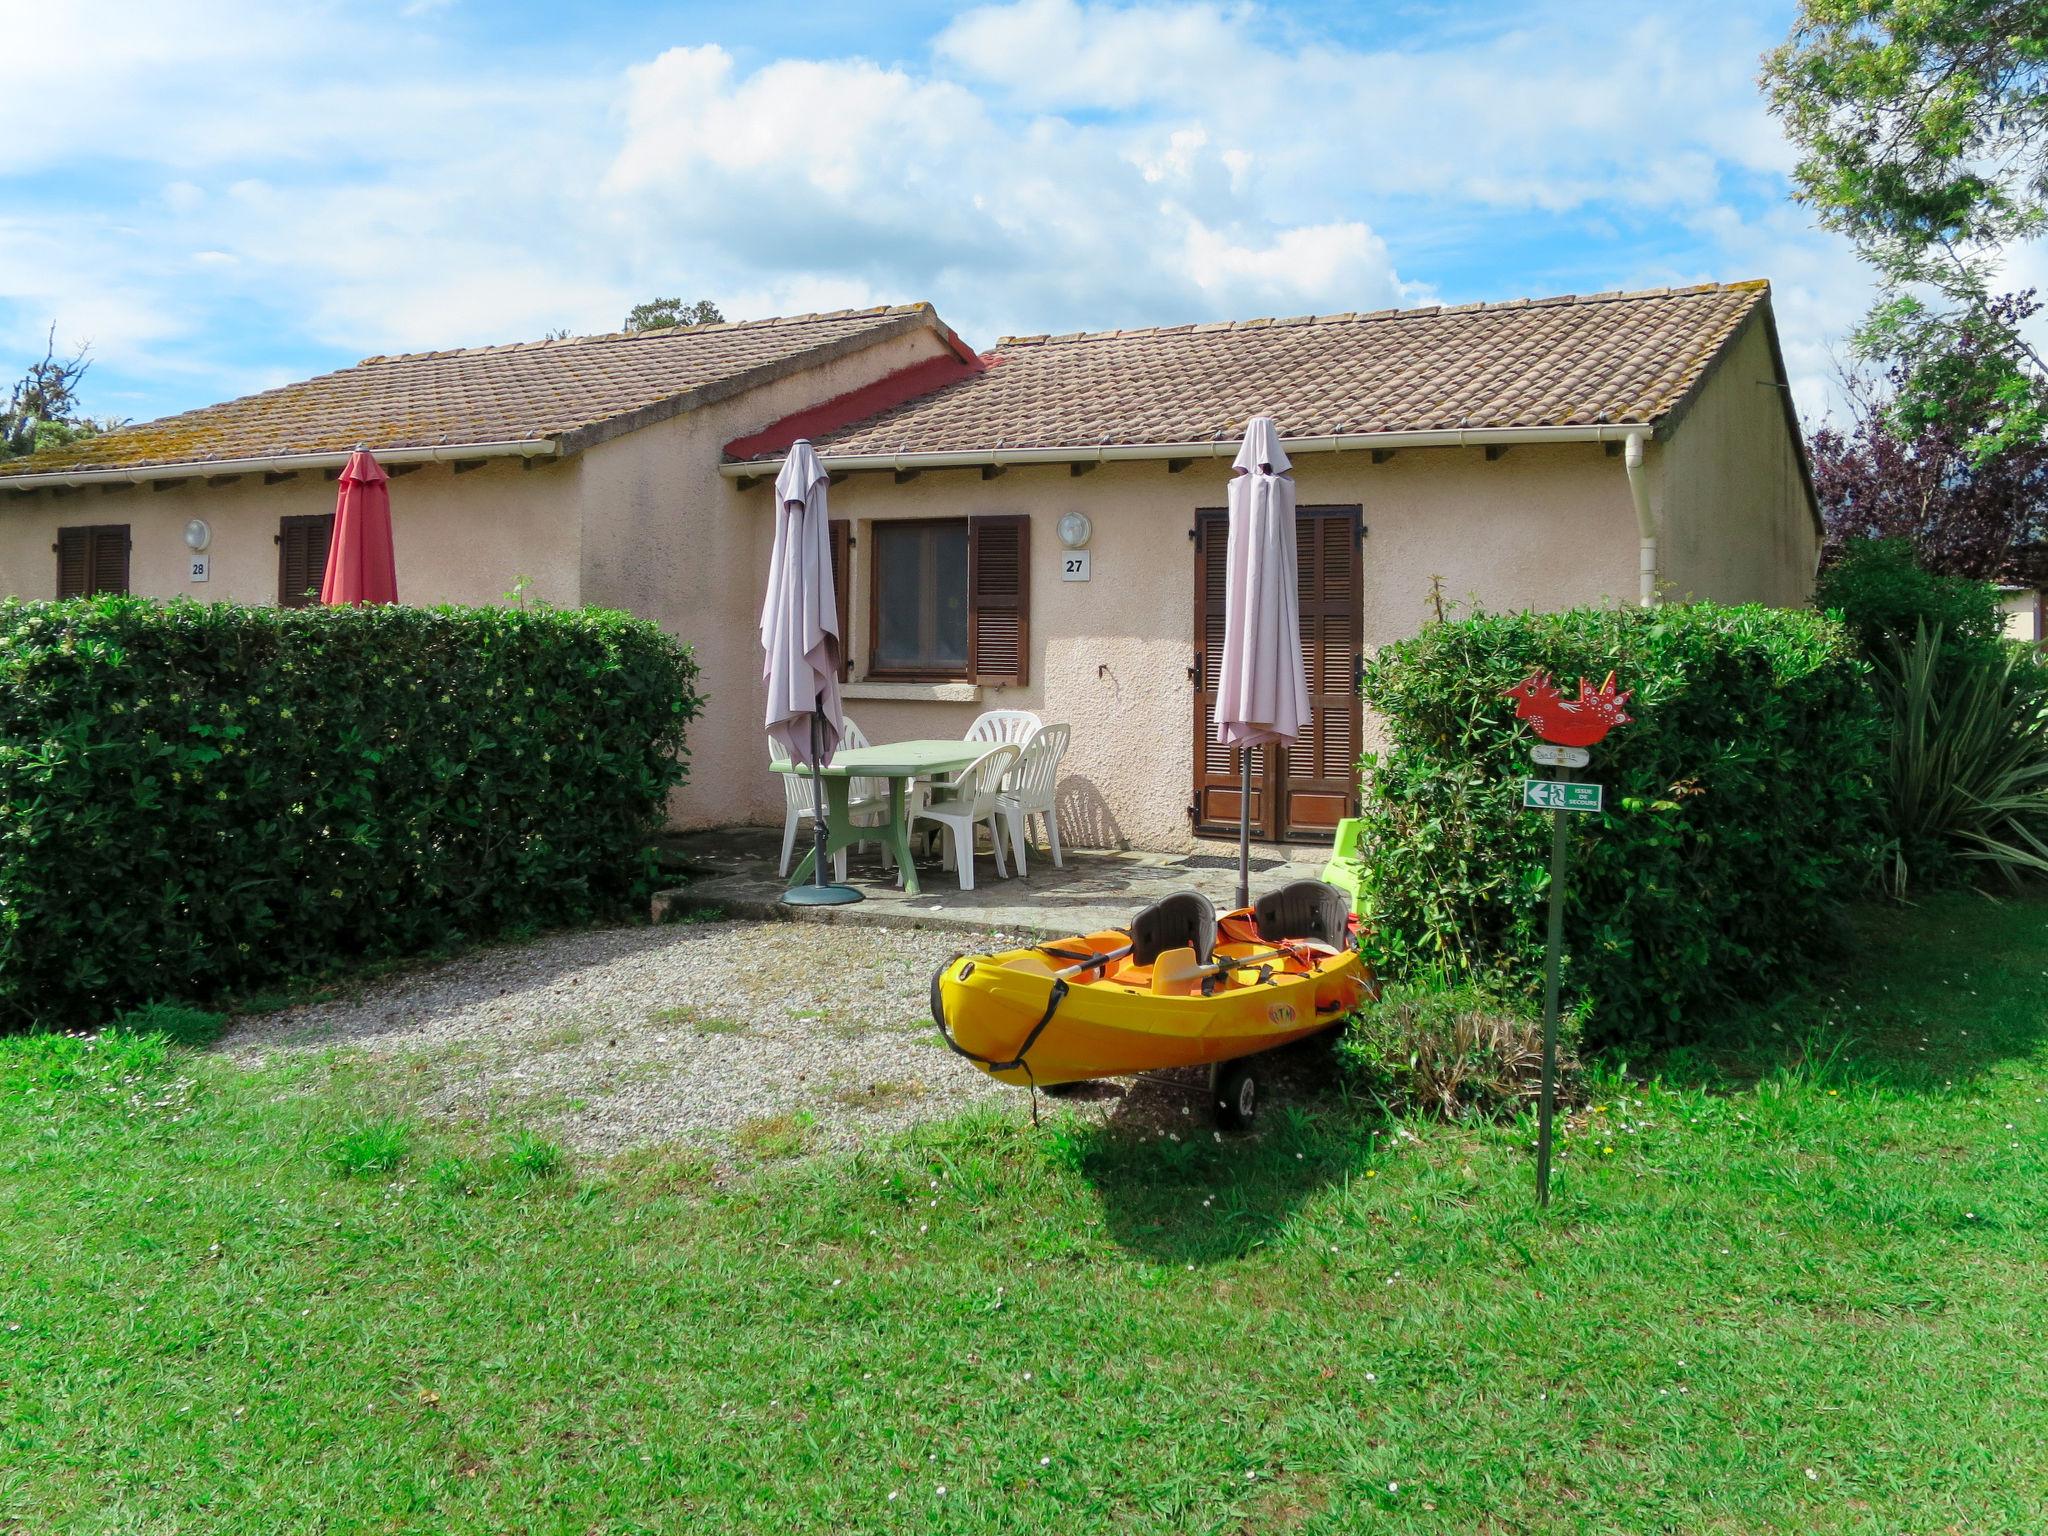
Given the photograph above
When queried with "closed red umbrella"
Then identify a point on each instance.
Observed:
(360, 565)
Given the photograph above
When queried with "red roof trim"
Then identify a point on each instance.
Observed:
(934, 373)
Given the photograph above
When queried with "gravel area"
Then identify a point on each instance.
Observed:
(776, 1035)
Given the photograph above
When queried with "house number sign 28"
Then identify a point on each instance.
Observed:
(1073, 565)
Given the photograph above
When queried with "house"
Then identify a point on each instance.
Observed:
(1039, 526)
(1535, 454)
(2026, 613)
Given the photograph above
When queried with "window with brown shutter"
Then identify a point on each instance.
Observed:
(92, 560)
(302, 557)
(949, 599)
(842, 588)
(918, 586)
(999, 606)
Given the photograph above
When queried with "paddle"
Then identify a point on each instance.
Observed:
(1091, 964)
(1073, 970)
(1177, 967)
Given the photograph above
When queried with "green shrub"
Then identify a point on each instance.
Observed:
(1457, 1053)
(1739, 808)
(1966, 778)
(1884, 595)
(197, 800)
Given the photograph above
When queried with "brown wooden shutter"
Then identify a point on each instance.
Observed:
(1217, 771)
(92, 560)
(302, 557)
(74, 562)
(110, 559)
(998, 599)
(842, 587)
(1322, 765)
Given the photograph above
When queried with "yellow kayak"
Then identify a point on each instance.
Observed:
(1179, 988)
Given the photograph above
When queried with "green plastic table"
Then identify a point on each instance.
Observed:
(899, 762)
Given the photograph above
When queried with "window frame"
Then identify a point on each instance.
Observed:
(878, 529)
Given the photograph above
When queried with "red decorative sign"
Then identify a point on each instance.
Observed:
(1567, 722)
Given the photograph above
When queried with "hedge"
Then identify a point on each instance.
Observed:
(1739, 808)
(199, 799)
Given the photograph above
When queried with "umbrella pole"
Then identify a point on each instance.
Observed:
(817, 804)
(819, 893)
(1244, 826)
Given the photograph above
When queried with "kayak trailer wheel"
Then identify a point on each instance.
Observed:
(1234, 1095)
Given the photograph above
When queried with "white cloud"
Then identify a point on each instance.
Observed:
(339, 182)
(1009, 223)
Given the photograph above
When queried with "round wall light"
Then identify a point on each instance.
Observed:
(197, 535)
(1075, 529)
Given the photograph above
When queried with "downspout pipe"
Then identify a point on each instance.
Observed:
(1646, 525)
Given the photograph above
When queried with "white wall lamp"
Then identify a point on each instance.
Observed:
(1075, 530)
(197, 535)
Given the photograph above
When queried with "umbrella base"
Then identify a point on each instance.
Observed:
(821, 895)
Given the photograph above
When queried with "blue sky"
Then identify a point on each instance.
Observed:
(221, 196)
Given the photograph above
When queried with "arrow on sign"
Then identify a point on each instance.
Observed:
(1559, 795)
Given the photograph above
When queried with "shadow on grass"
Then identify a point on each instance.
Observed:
(1175, 1190)
(1930, 997)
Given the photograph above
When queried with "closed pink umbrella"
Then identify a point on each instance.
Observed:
(1262, 694)
(800, 644)
(360, 564)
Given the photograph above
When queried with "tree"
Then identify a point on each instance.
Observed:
(1963, 511)
(41, 410)
(1922, 127)
(661, 314)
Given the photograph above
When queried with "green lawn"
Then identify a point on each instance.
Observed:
(1800, 1287)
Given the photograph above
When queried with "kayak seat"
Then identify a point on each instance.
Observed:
(1184, 920)
(1307, 909)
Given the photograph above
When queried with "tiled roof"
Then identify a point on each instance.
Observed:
(1572, 361)
(584, 388)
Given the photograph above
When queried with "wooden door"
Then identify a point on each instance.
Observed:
(1297, 793)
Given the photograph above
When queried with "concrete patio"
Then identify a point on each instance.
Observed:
(733, 869)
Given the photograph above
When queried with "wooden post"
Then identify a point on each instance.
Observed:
(1560, 852)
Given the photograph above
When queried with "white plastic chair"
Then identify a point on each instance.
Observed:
(867, 801)
(1028, 792)
(962, 806)
(997, 726)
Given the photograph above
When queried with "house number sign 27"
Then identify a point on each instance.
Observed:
(1073, 565)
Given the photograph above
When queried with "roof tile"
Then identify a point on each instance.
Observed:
(518, 391)
(1566, 361)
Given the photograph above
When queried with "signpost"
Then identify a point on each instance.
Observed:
(1567, 729)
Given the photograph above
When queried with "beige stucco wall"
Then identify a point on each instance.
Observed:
(2023, 613)
(1545, 527)
(665, 537)
(1734, 521)
(464, 538)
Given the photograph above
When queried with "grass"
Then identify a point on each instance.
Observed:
(880, 1094)
(1789, 1284)
(777, 1136)
(370, 1148)
(690, 1018)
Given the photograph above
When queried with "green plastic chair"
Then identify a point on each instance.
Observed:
(1346, 869)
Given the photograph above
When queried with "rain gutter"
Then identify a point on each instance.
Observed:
(750, 470)
(285, 463)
